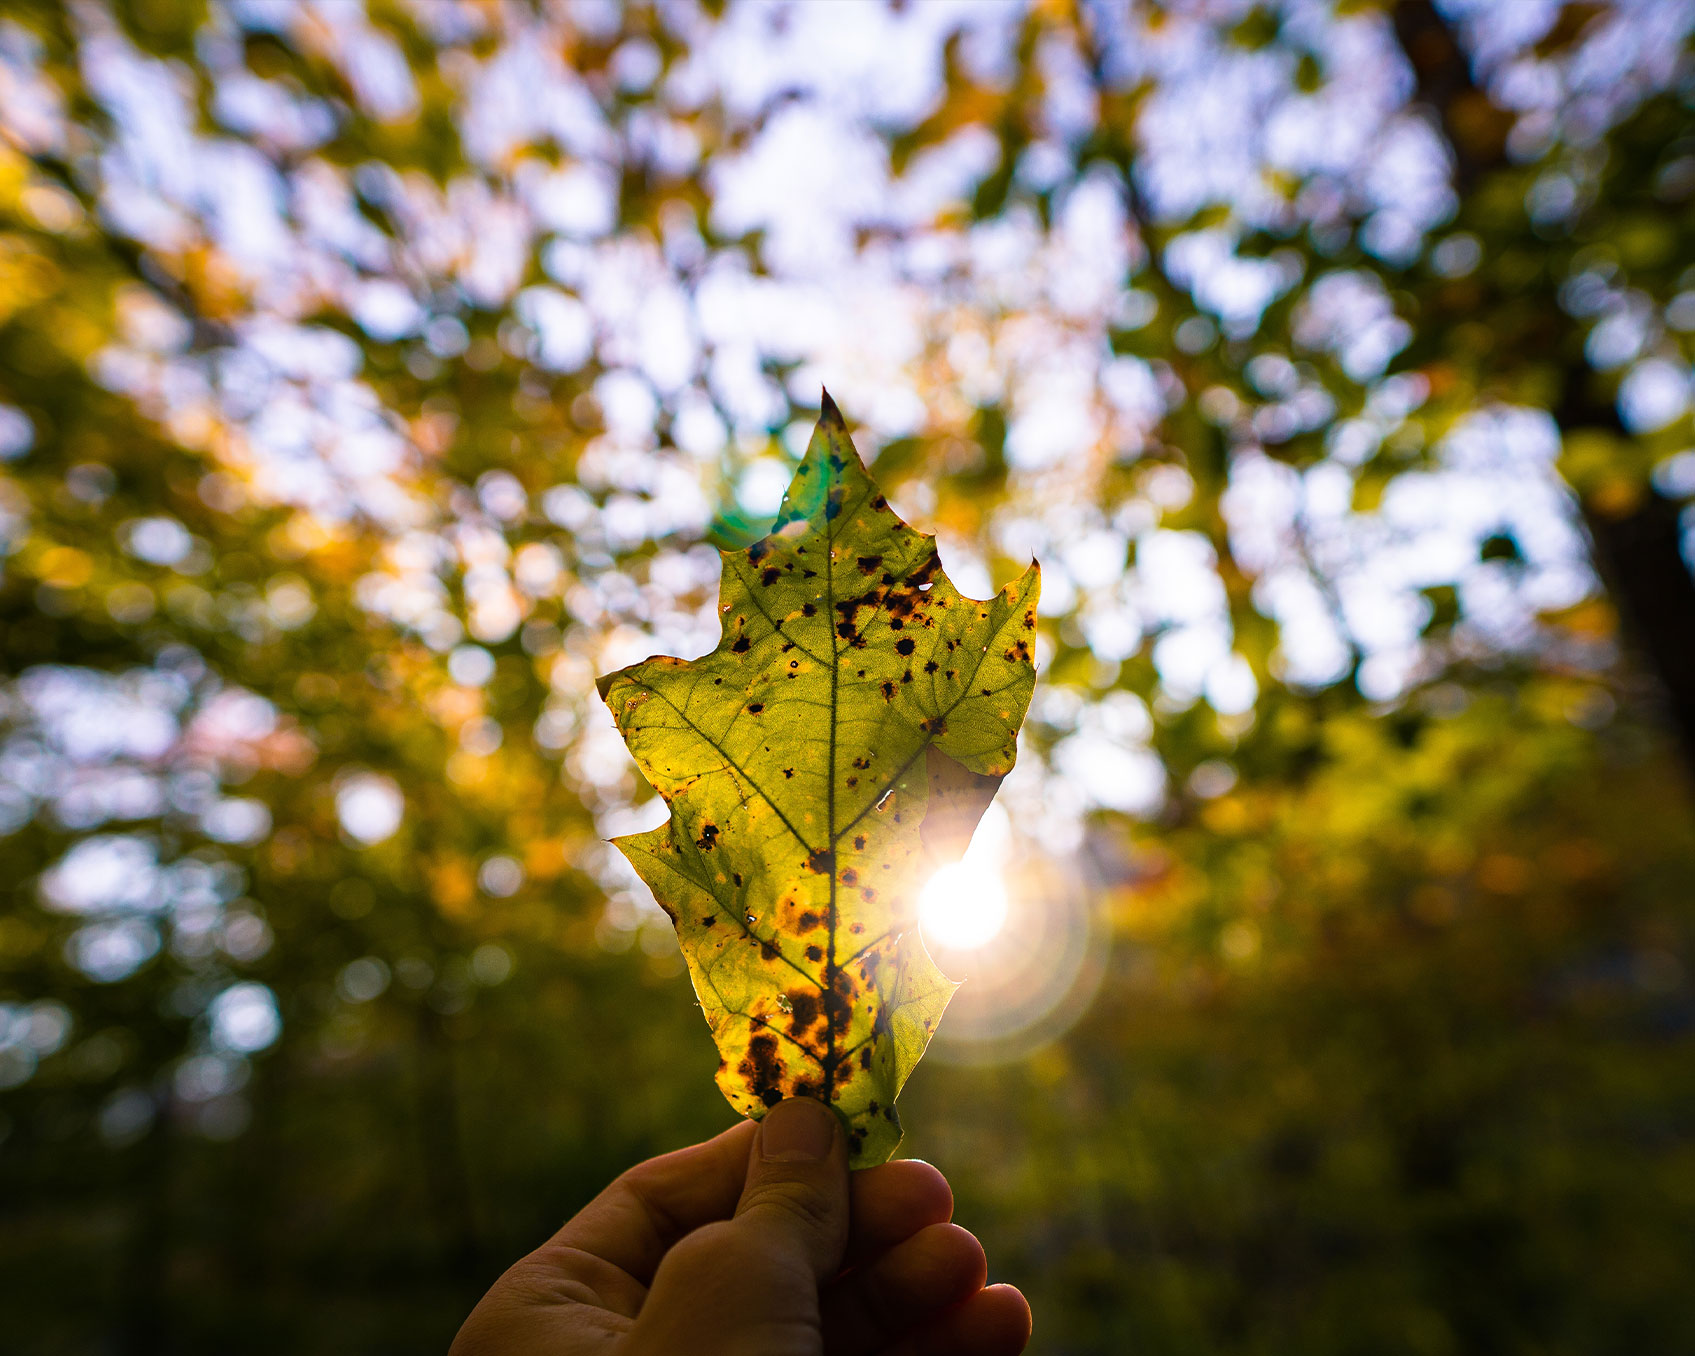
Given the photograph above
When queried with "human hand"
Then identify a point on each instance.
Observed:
(756, 1243)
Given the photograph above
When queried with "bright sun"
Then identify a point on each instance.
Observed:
(964, 905)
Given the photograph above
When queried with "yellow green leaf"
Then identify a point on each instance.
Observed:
(838, 746)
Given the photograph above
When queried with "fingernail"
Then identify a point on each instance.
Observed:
(799, 1130)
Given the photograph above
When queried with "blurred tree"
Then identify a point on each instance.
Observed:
(371, 377)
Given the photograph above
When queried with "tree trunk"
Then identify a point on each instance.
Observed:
(1637, 553)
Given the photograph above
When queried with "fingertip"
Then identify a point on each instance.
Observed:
(962, 1255)
(1002, 1309)
(655, 1203)
(928, 1275)
(800, 1130)
(993, 1322)
(938, 1266)
(742, 1129)
(892, 1202)
(727, 1150)
(919, 1186)
(924, 1181)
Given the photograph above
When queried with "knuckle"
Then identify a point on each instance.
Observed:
(730, 1259)
(797, 1204)
(706, 1248)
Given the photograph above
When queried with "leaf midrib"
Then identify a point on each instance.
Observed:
(830, 779)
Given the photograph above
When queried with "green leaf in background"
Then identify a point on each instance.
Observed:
(837, 747)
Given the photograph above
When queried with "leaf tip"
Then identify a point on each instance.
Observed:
(828, 413)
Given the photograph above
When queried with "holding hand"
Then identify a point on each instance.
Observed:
(756, 1243)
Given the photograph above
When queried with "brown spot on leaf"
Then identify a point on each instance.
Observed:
(804, 1007)
(762, 1069)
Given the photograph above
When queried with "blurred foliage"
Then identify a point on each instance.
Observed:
(1393, 1049)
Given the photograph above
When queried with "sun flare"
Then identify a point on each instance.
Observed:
(963, 906)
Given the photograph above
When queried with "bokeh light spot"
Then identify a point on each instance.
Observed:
(369, 806)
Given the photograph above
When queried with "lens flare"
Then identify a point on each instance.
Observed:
(963, 906)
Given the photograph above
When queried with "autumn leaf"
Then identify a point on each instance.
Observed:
(837, 747)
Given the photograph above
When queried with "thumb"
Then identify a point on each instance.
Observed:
(750, 1284)
(797, 1185)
